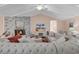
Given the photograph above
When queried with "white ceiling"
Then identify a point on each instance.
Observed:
(61, 11)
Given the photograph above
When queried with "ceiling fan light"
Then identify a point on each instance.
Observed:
(39, 7)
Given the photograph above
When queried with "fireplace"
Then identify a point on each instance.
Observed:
(20, 31)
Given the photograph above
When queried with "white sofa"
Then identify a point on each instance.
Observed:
(59, 46)
(27, 48)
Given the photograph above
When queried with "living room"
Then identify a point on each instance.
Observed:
(38, 27)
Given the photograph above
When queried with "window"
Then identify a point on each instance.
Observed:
(1, 25)
(53, 26)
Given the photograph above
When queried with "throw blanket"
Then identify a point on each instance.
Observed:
(15, 39)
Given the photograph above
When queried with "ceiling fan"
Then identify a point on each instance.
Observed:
(41, 7)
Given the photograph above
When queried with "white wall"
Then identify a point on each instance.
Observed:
(38, 19)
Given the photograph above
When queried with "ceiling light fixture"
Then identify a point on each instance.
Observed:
(41, 7)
